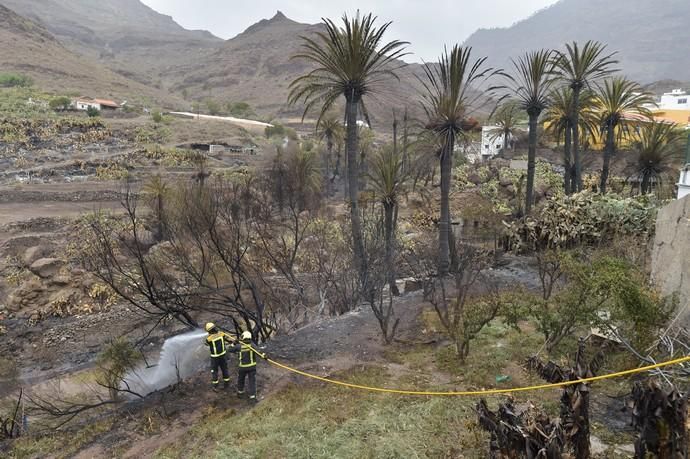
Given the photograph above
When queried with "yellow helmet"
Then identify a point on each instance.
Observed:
(210, 326)
(246, 336)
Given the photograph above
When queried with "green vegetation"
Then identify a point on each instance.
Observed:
(15, 102)
(581, 290)
(213, 107)
(329, 422)
(27, 130)
(93, 112)
(114, 362)
(60, 445)
(278, 131)
(14, 80)
(583, 219)
(155, 133)
(240, 110)
(60, 103)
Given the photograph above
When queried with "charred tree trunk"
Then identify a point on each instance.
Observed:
(444, 226)
(567, 163)
(608, 152)
(531, 161)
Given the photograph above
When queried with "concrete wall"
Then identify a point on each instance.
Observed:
(671, 252)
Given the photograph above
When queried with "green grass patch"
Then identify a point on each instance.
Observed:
(60, 445)
(319, 421)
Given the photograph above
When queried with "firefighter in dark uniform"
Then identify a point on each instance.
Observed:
(216, 342)
(247, 354)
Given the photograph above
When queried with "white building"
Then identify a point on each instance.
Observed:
(677, 99)
(492, 144)
(85, 104)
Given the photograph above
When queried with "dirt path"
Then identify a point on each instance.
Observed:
(17, 212)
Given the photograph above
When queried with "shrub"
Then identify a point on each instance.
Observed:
(93, 112)
(114, 363)
(240, 110)
(60, 103)
(580, 289)
(277, 130)
(13, 80)
(213, 107)
(157, 117)
(582, 219)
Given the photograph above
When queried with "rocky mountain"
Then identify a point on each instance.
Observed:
(652, 37)
(124, 35)
(27, 47)
(256, 67)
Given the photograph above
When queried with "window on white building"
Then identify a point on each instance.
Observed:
(682, 101)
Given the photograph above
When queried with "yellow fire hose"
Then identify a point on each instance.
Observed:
(476, 393)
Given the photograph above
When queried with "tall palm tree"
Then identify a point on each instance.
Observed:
(387, 179)
(558, 123)
(660, 146)
(532, 82)
(350, 61)
(579, 67)
(157, 190)
(506, 120)
(619, 100)
(447, 100)
(330, 130)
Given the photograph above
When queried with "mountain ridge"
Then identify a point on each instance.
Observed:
(27, 47)
(648, 51)
(125, 35)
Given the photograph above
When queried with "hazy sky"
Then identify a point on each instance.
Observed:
(427, 24)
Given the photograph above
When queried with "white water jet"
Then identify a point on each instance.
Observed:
(181, 357)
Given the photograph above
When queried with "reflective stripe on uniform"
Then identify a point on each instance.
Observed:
(246, 348)
(217, 342)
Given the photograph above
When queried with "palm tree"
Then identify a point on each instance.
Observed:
(579, 67)
(558, 123)
(618, 101)
(506, 120)
(350, 61)
(156, 189)
(305, 175)
(534, 77)
(660, 146)
(331, 130)
(447, 101)
(388, 180)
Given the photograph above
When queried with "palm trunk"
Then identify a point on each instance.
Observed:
(608, 152)
(353, 186)
(444, 223)
(404, 146)
(646, 183)
(505, 142)
(329, 156)
(395, 137)
(389, 209)
(575, 122)
(531, 162)
(567, 163)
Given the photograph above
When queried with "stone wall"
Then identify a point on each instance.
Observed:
(671, 253)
